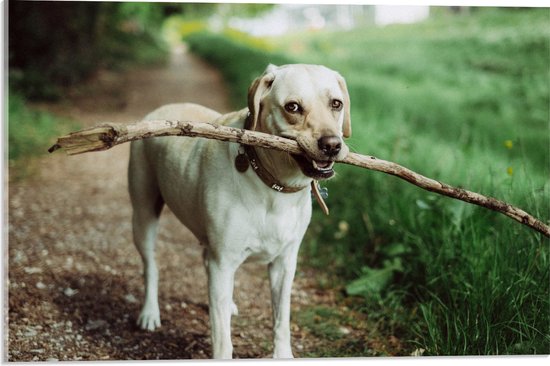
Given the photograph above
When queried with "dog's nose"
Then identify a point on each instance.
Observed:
(330, 145)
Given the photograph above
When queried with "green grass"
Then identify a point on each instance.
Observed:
(239, 62)
(463, 100)
(30, 133)
(330, 324)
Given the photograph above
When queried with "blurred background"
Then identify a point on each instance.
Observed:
(459, 94)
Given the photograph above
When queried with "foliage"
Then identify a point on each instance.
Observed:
(229, 55)
(248, 40)
(244, 10)
(57, 44)
(30, 132)
(463, 99)
(334, 325)
(202, 11)
(178, 28)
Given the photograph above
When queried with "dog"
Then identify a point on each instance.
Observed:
(242, 203)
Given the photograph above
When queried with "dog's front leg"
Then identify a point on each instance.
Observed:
(220, 294)
(281, 275)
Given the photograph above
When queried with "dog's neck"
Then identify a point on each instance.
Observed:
(283, 168)
(277, 169)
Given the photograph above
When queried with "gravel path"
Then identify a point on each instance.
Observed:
(75, 283)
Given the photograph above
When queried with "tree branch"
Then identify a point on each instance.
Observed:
(105, 136)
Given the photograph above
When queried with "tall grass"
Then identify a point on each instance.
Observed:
(463, 100)
(240, 60)
(30, 133)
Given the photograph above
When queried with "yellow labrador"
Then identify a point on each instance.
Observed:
(241, 203)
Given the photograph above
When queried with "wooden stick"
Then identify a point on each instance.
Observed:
(107, 135)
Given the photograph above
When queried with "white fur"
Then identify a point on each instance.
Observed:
(235, 216)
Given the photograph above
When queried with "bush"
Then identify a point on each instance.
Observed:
(30, 132)
(239, 63)
(54, 45)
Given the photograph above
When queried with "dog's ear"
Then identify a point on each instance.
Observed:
(257, 90)
(346, 128)
(271, 69)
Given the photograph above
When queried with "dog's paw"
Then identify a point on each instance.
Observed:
(282, 351)
(149, 319)
(283, 354)
(234, 309)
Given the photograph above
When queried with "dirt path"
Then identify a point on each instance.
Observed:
(75, 283)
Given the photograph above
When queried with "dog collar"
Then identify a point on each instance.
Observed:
(247, 156)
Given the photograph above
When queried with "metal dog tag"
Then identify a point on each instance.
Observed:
(323, 191)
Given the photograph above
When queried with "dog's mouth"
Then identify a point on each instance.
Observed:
(315, 169)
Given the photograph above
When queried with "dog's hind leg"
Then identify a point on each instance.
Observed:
(147, 205)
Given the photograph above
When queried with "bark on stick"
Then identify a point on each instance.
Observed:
(107, 135)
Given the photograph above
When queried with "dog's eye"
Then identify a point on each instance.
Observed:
(336, 104)
(293, 107)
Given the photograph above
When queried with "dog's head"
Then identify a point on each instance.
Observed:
(307, 103)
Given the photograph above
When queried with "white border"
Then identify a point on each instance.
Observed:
(453, 360)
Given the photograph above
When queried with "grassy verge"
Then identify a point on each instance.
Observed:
(30, 134)
(463, 100)
(234, 56)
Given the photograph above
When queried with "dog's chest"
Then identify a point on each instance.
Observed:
(272, 231)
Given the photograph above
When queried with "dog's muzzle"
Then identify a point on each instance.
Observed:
(320, 165)
(330, 145)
